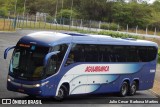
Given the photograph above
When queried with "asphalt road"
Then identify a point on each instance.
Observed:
(10, 38)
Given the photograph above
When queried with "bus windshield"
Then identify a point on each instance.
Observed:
(27, 62)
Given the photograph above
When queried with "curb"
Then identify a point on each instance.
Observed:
(7, 31)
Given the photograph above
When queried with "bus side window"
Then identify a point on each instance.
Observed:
(104, 53)
(56, 60)
(79, 53)
(76, 54)
(143, 54)
(91, 53)
(147, 53)
(70, 59)
(120, 53)
(152, 52)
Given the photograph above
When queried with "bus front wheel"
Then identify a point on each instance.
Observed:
(133, 89)
(62, 93)
(124, 89)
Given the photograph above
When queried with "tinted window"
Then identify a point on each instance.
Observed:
(56, 60)
(120, 53)
(132, 54)
(91, 53)
(105, 53)
(83, 53)
(152, 52)
(111, 53)
(147, 54)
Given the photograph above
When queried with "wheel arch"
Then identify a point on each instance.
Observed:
(124, 80)
(66, 84)
(127, 81)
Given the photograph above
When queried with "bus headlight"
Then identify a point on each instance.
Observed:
(37, 85)
(42, 84)
(9, 78)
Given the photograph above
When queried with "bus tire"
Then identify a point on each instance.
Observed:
(124, 89)
(62, 93)
(133, 88)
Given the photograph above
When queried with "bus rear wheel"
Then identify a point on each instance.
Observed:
(133, 89)
(124, 89)
(62, 93)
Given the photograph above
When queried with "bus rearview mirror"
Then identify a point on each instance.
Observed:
(48, 56)
(7, 50)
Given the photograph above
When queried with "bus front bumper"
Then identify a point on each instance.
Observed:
(26, 89)
(30, 89)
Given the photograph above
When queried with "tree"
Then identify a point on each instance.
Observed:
(66, 13)
(93, 9)
(133, 14)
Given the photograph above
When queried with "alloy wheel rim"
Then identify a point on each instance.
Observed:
(124, 89)
(60, 93)
(133, 88)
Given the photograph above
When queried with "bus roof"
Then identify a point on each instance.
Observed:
(53, 38)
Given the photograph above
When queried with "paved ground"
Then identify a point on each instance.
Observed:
(158, 73)
(10, 39)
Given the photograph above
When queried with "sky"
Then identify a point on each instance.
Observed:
(151, 1)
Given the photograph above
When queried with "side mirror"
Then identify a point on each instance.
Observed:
(48, 56)
(7, 50)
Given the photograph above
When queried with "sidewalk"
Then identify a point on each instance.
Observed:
(9, 31)
(156, 87)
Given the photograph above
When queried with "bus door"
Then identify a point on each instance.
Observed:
(78, 80)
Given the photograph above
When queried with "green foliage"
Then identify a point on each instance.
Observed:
(154, 25)
(67, 13)
(155, 20)
(3, 12)
(132, 13)
(93, 9)
(117, 35)
(49, 18)
(159, 56)
(110, 26)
